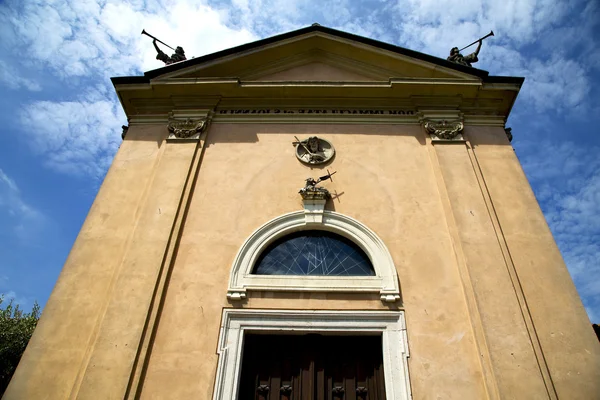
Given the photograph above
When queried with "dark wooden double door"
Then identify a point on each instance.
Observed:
(312, 367)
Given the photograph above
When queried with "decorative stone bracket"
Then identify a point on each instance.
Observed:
(442, 125)
(187, 128)
(443, 130)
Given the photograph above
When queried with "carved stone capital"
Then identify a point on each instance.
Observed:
(443, 129)
(187, 128)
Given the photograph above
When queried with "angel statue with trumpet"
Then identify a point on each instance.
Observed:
(456, 57)
(179, 54)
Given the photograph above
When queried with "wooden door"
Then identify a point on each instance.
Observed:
(312, 367)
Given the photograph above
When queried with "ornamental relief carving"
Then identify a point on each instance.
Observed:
(187, 129)
(444, 130)
(314, 150)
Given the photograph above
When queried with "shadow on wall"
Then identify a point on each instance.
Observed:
(248, 133)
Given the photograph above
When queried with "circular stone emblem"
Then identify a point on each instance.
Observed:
(314, 150)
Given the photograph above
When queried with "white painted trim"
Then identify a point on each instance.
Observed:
(237, 322)
(385, 281)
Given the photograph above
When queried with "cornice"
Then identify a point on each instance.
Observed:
(148, 120)
(252, 83)
(162, 119)
(484, 120)
(196, 81)
(307, 111)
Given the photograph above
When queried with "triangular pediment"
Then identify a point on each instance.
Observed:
(310, 66)
(313, 71)
(315, 56)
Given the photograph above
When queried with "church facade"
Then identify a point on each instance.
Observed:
(315, 215)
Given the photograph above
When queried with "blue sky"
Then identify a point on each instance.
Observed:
(60, 119)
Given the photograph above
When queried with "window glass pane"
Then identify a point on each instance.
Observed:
(314, 253)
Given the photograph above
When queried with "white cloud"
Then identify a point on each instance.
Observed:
(434, 23)
(11, 295)
(100, 38)
(10, 77)
(10, 184)
(75, 137)
(18, 219)
(556, 79)
(11, 201)
(96, 37)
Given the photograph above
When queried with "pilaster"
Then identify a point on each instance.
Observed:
(560, 328)
(497, 318)
(122, 340)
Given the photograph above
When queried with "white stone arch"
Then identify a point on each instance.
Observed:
(385, 281)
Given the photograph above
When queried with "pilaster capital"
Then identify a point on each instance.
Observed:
(187, 128)
(443, 125)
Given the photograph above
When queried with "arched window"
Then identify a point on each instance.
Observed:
(318, 253)
(272, 259)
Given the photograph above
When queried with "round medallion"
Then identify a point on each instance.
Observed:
(314, 150)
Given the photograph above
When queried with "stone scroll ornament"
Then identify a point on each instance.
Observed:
(187, 129)
(447, 130)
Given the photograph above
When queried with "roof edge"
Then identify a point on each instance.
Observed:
(135, 80)
(315, 28)
(129, 80)
(517, 80)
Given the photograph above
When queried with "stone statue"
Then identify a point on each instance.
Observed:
(509, 134)
(312, 191)
(310, 185)
(125, 129)
(179, 55)
(458, 58)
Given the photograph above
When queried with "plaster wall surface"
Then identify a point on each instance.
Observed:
(59, 351)
(569, 346)
(315, 70)
(249, 175)
(114, 352)
(466, 235)
(511, 352)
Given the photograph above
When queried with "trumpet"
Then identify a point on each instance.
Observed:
(486, 36)
(158, 40)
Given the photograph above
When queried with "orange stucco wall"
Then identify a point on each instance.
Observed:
(479, 272)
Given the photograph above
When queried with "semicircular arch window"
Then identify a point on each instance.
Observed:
(318, 253)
